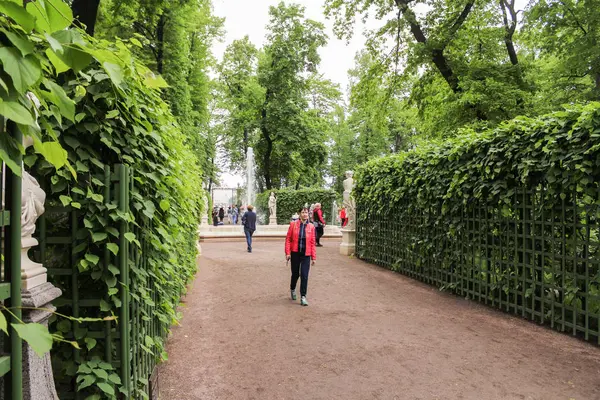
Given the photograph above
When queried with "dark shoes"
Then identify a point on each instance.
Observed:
(319, 245)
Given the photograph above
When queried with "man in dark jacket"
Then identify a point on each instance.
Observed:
(249, 222)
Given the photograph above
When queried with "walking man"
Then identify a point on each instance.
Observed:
(249, 222)
(300, 248)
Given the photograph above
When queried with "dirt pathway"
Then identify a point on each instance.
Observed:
(367, 334)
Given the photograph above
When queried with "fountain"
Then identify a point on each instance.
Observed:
(250, 176)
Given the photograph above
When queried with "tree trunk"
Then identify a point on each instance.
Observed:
(245, 142)
(437, 54)
(85, 13)
(160, 33)
(269, 150)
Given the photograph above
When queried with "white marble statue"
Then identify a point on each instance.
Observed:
(348, 200)
(32, 204)
(272, 205)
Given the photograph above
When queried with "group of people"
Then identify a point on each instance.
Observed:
(301, 242)
(232, 215)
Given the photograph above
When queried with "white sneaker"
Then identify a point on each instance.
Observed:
(303, 301)
(293, 294)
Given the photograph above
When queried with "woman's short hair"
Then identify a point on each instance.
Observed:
(250, 207)
(302, 209)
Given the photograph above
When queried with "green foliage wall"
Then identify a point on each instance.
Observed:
(509, 214)
(290, 200)
(99, 107)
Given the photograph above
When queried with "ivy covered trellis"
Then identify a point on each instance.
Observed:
(98, 108)
(508, 217)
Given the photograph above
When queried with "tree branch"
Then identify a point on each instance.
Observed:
(574, 17)
(461, 19)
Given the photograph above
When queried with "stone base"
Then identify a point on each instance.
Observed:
(38, 381)
(32, 274)
(348, 245)
(272, 220)
(209, 232)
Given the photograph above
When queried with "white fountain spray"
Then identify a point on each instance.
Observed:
(250, 176)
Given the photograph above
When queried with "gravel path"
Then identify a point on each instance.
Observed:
(367, 334)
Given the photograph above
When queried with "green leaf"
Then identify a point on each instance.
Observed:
(24, 71)
(114, 72)
(21, 42)
(114, 378)
(130, 236)
(99, 236)
(16, 112)
(94, 397)
(3, 324)
(92, 258)
(36, 335)
(54, 44)
(50, 15)
(74, 58)
(18, 13)
(10, 151)
(87, 380)
(155, 81)
(65, 200)
(114, 270)
(104, 306)
(112, 114)
(113, 248)
(80, 92)
(106, 388)
(100, 373)
(59, 65)
(53, 153)
(164, 205)
(61, 100)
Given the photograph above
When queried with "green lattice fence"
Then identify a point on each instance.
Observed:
(528, 258)
(10, 280)
(122, 343)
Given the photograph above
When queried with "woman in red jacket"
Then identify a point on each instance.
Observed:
(300, 247)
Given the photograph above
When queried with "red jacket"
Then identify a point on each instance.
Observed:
(319, 217)
(291, 240)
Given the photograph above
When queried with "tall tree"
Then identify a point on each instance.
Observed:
(286, 129)
(242, 98)
(565, 34)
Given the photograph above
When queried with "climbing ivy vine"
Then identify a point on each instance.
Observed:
(98, 106)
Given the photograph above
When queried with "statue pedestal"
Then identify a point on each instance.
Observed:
(204, 220)
(348, 245)
(38, 381)
(32, 274)
(273, 220)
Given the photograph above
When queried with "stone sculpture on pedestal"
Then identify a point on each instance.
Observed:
(348, 201)
(348, 244)
(272, 209)
(37, 293)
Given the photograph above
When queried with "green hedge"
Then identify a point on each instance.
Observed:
(507, 216)
(290, 200)
(119, 118)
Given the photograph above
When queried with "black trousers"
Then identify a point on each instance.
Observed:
(320, 232)
(300, 269)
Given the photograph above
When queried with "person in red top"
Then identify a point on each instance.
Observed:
(343, 216)
(300, 248)
(319, 223)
